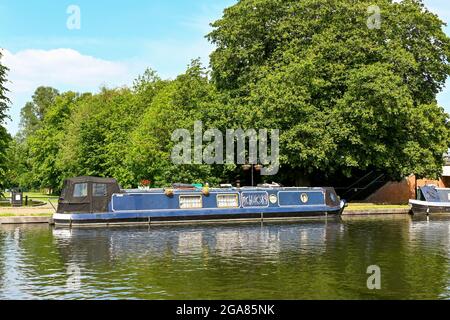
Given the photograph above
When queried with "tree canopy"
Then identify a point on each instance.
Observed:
(343, 95)
(4, 136)
(32, 114)
(346, 98)
(177, 104)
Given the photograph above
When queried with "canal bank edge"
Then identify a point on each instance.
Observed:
(378, 211)
(347, 212)
(25, 220)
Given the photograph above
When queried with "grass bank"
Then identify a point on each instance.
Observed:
(37, 196)
(25, 215)
(374, 206)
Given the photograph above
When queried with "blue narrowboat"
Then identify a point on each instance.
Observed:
(87, 201)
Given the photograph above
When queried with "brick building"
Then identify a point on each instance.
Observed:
(401, 192)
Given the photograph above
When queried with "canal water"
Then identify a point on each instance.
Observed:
(318, 259)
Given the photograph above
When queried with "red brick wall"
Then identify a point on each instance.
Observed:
(401, 192)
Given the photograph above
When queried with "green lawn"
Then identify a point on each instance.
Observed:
(33, 194)
(37, 196)
(373, 206)
(26, 215)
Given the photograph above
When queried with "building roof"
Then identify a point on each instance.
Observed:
(446, 171)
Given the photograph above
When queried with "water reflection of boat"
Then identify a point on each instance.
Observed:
(431, 200)
(434, 230)
(190, 242)
(99, 201)
(228, 240)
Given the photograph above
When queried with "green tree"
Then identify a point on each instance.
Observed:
(4, 141)
(96, 139)
(45, 143)
(33, 113)
(27, 150)
(189, 98)
(4, 136)
(18, 165)
(345, 97)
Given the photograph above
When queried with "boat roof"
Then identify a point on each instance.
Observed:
(91, 179)
(158, 190)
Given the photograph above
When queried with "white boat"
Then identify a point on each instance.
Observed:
(431, 200)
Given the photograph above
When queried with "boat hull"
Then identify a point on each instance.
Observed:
(427, 207)
(152, 218)
(98, 201)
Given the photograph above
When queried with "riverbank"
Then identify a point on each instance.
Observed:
(24, 215)
(26, 219)
(43, 214)
(46, 209)
(362, 209)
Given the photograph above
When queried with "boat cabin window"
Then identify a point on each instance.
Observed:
(190, 202)
(99, 190)
(227, 201)
(80, 190)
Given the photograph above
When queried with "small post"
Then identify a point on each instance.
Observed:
(26, 201)
(50, 201)
(415, 187)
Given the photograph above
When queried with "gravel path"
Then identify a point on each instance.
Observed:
(47, 208)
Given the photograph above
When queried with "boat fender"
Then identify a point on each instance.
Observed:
(168, 192)
(205, 191)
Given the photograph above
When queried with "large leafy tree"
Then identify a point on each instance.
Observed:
(29, 147)
(346, 97)
(33, 113)
(177, 105)
(4, 136)
(70, 134)
(18, 165)
(96, 137)
(45, 143)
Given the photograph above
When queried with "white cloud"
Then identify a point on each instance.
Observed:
(63, 69)
(67, 69)
(59, 68)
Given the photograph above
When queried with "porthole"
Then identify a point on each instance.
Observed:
(304, 197)
(273, 199)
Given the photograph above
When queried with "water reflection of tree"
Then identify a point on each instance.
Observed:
(301, 260)
(409, 269)
(194, 261)
(31, 259)
(2, 256)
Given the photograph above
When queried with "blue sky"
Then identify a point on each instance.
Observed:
(116, 42)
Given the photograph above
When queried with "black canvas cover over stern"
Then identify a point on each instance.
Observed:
(430, 193)
(87, 194)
